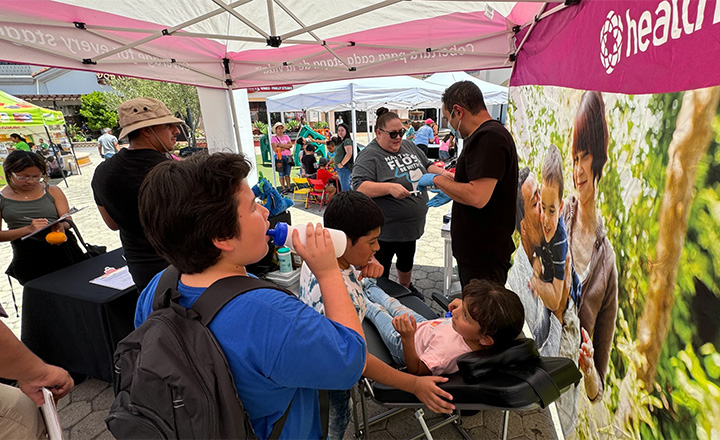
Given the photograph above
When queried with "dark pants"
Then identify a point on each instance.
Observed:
(482, 270)
(423, 148)
(405, 251)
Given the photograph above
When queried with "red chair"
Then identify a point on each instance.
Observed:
(317, 194)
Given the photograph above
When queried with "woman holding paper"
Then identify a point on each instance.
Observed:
(29, 204)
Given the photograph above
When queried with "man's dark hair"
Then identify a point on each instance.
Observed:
(466, 94)
(354, 213)
(520, 200)
(497, 309)
(552, 169)
(184, 205)
(590, 134)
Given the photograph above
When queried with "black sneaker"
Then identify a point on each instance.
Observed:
(415, 292)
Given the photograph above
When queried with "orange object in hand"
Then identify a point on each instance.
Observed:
(56, 238)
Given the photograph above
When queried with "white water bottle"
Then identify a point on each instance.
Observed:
(282, 236)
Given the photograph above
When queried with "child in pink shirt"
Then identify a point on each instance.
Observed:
(488, 315)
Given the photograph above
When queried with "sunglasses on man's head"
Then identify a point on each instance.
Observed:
(394, 134)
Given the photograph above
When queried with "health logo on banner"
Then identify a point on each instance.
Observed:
(612, 30)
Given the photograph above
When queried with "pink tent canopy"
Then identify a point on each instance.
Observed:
(251, 43)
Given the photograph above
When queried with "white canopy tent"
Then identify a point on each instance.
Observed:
(493, 93)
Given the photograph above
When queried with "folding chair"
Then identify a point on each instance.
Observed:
(301, 190)
(514, 379)
(317, 193)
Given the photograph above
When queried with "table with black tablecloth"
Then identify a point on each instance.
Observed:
(71, 323)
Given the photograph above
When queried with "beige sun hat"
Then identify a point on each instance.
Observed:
(143, 112)
(276, 125)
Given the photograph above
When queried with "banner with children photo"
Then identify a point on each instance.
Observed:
(626, 190)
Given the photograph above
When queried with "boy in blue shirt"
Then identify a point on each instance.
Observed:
(279, 350)
(549, 266)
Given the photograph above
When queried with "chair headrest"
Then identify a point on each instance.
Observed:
(478, 363)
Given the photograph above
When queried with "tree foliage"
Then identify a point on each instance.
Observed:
(98, 111)
(177, 97)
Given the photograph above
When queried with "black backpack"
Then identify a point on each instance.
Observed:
(172, 379)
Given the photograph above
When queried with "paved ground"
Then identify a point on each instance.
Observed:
(82, 413)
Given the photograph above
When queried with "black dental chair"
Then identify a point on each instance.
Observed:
(514, 379)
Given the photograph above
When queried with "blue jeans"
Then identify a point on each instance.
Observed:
(381, 309)
(443, 155)
(108, 155)
(340, 412)
(344, 178)
(286, 167)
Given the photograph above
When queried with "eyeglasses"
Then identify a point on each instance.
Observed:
(394, 134)
(28, 178)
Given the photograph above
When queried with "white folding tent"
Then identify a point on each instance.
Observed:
(492, 93)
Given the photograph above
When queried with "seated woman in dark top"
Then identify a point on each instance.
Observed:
(27, 204)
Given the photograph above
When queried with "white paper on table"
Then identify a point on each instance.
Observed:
(119, 279)
(49, 413)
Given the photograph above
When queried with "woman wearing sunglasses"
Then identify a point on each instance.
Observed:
(388, 170)
(28, 203)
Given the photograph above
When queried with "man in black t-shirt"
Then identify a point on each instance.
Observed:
(152, 131)
(485, 187)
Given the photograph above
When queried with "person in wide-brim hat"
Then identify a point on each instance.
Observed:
(139, 113)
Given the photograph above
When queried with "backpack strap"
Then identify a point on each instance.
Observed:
(225, 290)
(166, 289)
(280, 424)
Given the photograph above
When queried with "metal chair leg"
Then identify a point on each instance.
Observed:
(506, 421)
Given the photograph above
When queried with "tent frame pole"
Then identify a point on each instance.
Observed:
(235, 119)
(272, 152)
(55, 153)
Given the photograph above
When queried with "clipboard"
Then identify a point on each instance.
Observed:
(49, 413)
(72, 211)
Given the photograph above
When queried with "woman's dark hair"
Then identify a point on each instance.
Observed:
(590, 134)
(199, 204)
(301, 141)
(354, 213)
(497, 309)
(20, 160)
(384, 116)
(15, 135)
(347, 132)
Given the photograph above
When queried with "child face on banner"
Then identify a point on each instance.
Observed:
(550, 208)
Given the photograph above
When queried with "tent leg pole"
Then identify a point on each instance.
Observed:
(272, 153)
(354, 130)
(235, 120)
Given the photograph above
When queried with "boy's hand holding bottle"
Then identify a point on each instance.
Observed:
(318, 251)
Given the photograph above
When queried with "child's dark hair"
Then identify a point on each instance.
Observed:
(354, 213)
(310, 148)
(199, 204)
(497, 309)
(331, 141)
(552, 169)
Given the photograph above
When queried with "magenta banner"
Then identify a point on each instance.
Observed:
(627, 46)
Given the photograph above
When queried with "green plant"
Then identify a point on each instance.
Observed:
(319, 125)
(292, 125)
(98, 111)
(261, 127)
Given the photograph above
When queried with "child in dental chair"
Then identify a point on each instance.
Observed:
(360, 219)
(487, 315)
